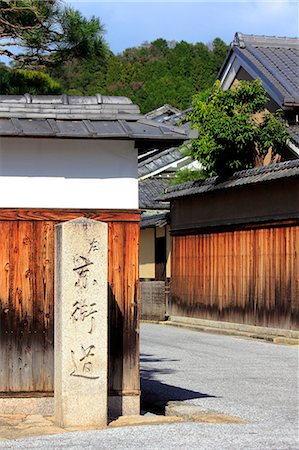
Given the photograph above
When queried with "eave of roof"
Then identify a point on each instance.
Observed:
(154, 220)
(271, 173)
(94, 117)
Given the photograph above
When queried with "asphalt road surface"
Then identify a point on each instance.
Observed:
(253, 380)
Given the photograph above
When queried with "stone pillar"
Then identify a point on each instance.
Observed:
(81, 321)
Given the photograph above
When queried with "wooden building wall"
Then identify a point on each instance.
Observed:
(245, 275)
(27, 298)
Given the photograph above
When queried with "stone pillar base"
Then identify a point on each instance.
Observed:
(43, 406)
(123, 405)
(126, 405)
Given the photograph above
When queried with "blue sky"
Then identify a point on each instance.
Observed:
(128, 24)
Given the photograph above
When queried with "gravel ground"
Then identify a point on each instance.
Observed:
(255, 381)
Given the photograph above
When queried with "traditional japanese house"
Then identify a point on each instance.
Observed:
(273, 60)
(63, 157)
(235, 249)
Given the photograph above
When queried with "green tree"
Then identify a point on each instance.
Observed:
(187, 174)
(235, 129)
(219, 51)
(20, 81)
(45, 33)
(162, 72)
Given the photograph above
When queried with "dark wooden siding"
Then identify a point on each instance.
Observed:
(248, 204)
(27, 298)
(248, 276)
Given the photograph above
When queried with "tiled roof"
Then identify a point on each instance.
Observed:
(274, 59)
(169, 114)
(83, 117)
(149, 191)
(154, 220)
(157, 162)
(163, 113)
(245, 177)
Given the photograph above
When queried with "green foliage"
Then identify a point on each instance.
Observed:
(234, 128)
(48, 33)
(57, 39)
(151, 75)
(18, 82)
(183, 175)
(161, 72)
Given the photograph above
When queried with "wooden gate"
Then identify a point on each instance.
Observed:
(27, 298)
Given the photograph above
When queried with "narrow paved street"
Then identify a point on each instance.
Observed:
(252, 380)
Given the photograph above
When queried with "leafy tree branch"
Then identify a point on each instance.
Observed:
(48, 32)
(235, 130)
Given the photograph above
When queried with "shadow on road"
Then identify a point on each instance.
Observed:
(154, 394)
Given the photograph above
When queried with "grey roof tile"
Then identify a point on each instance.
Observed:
(154, 220)
(162, 113)
(149, 190)
(159, 161)
(276, 59)
(81, 116)
(245, 177)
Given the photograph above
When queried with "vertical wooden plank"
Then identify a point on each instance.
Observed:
(22, 329)
(212, 274)
(131, 309)
(266, 276)
(285, 317)
(271, 276)
(259, 276)
(239, 272)
(196, 273)
(116, 306)
(5, 236)
(173, 282)
(43, 305)
(123, 308)
(277, 278)
(199, 271)
(234, 271)
(288, 276)
(295, 277)
(220, 274)
(217, 274)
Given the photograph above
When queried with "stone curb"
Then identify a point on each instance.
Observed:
(196, 413)
(275, 339)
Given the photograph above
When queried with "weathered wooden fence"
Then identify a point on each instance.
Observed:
(27, 298)
(248, 276)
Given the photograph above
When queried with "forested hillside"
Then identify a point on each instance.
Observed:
(53, 48)
(151, 75)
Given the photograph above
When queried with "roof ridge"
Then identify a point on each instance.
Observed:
(65, 99)
(246, 173)
(241, 39)
(265, 169)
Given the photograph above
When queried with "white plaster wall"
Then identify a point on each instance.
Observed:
(68, 173)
